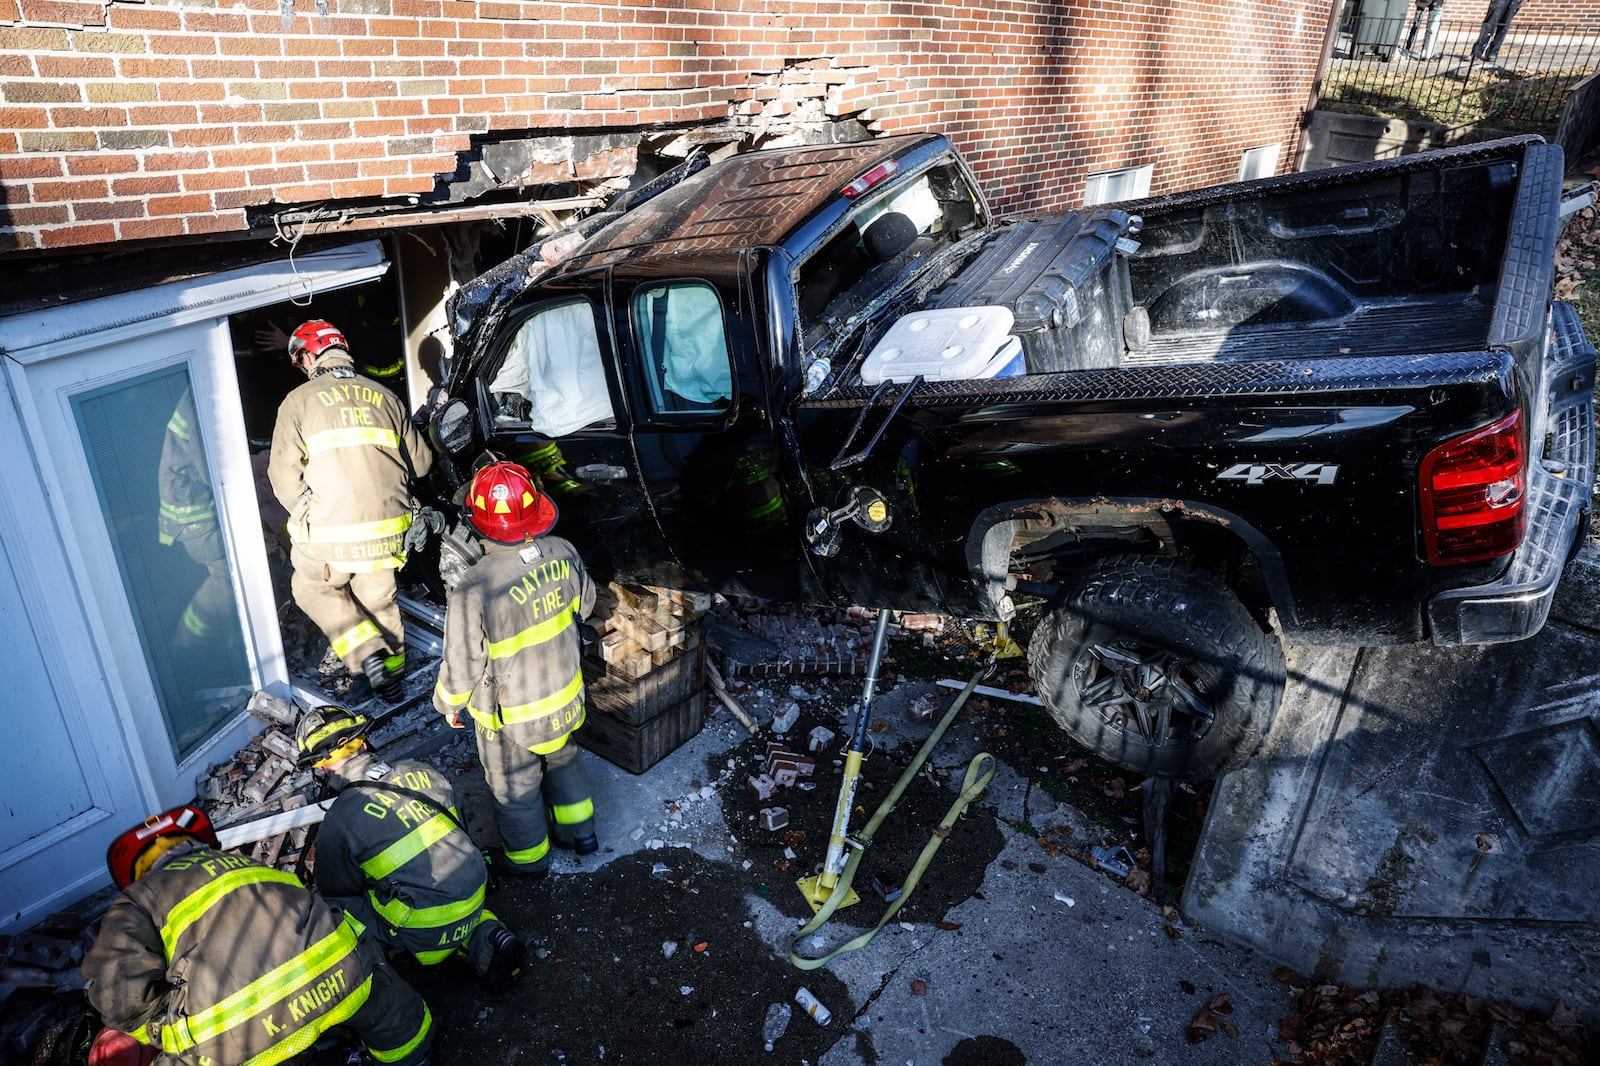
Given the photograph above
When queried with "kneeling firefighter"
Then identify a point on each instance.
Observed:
(512, 650)
(393, 854)
(215, 959)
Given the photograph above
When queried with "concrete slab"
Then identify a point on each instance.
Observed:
(1425, 815)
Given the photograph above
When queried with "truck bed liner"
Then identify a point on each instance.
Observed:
(1401, 328)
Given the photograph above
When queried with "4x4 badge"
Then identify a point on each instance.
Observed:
(1256, 473)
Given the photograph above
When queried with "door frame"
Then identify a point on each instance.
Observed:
(105, 695)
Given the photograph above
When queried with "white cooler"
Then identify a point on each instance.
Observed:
(946, 344)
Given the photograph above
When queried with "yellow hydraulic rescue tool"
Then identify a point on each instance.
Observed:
(830, 889)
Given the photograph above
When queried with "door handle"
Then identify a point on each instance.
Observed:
(600, 472)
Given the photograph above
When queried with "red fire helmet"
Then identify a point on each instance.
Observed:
(124, 851)
(315, 337)
(505, 505)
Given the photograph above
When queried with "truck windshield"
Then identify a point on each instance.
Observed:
(880, 241)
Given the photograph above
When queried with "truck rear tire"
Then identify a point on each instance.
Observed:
(1159, 668)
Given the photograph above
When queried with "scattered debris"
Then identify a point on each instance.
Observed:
(774, 818)
(818, 739)
(1117, 861)
(813, 1006)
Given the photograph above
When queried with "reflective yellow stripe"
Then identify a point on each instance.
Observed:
(491, 722)
(573, 813)
(351, 437)
(388, 371)
(399, 915)
(200, 901)
(388, 562)
(354, 533)
(194, 623)
(409, 1046)
(178, 426)
(551, 746)
(433, 958)
(395, 663)
(142, 1034)
(407, 847)
(304, 1038)
(449, 698)
(262, 994)
(351, 639)
(526, 712)
(184, 515)
(534, 635)
(531, 855)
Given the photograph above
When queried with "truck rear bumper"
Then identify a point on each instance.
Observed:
(1559, 489)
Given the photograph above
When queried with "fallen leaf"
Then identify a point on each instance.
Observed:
(918, 986)
(948, 925)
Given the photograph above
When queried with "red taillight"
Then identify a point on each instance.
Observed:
(1473, 494)
(883, 171)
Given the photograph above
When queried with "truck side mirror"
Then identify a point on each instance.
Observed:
(450, 427)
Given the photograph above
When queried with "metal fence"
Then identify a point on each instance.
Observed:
(1453, 73)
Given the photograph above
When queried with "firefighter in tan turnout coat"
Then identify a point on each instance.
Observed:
(511, 664)
(394, 855)
(215, 959)
(344, 452)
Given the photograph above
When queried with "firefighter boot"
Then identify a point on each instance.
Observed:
(496, 953)
(384, 682)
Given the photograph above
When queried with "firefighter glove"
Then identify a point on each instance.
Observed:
(455, 720)
(423, 522)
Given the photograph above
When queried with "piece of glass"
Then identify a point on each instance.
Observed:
(152, 480)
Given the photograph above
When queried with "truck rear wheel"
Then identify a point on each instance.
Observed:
(1159, 668)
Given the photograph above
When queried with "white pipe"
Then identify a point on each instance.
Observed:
(998, 693)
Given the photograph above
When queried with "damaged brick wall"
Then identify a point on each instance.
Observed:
(126, 121)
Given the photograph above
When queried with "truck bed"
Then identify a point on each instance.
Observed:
(1392, 327)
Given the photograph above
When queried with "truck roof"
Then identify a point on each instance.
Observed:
(752, 199)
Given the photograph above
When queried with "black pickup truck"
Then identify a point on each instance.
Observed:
(1331, 407)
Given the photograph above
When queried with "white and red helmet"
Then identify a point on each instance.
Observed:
(315, 337)
(506, 506)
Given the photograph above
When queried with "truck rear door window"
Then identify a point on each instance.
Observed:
(687, 365)
(551, 379)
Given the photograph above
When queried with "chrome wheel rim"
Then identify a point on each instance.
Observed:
(1146, 693)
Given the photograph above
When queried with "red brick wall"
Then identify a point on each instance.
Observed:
(130, 120)
(1552, 12)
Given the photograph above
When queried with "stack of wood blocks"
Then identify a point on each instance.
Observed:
(644, 683)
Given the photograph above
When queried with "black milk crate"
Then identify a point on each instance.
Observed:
(636, 748)
(636, 702)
